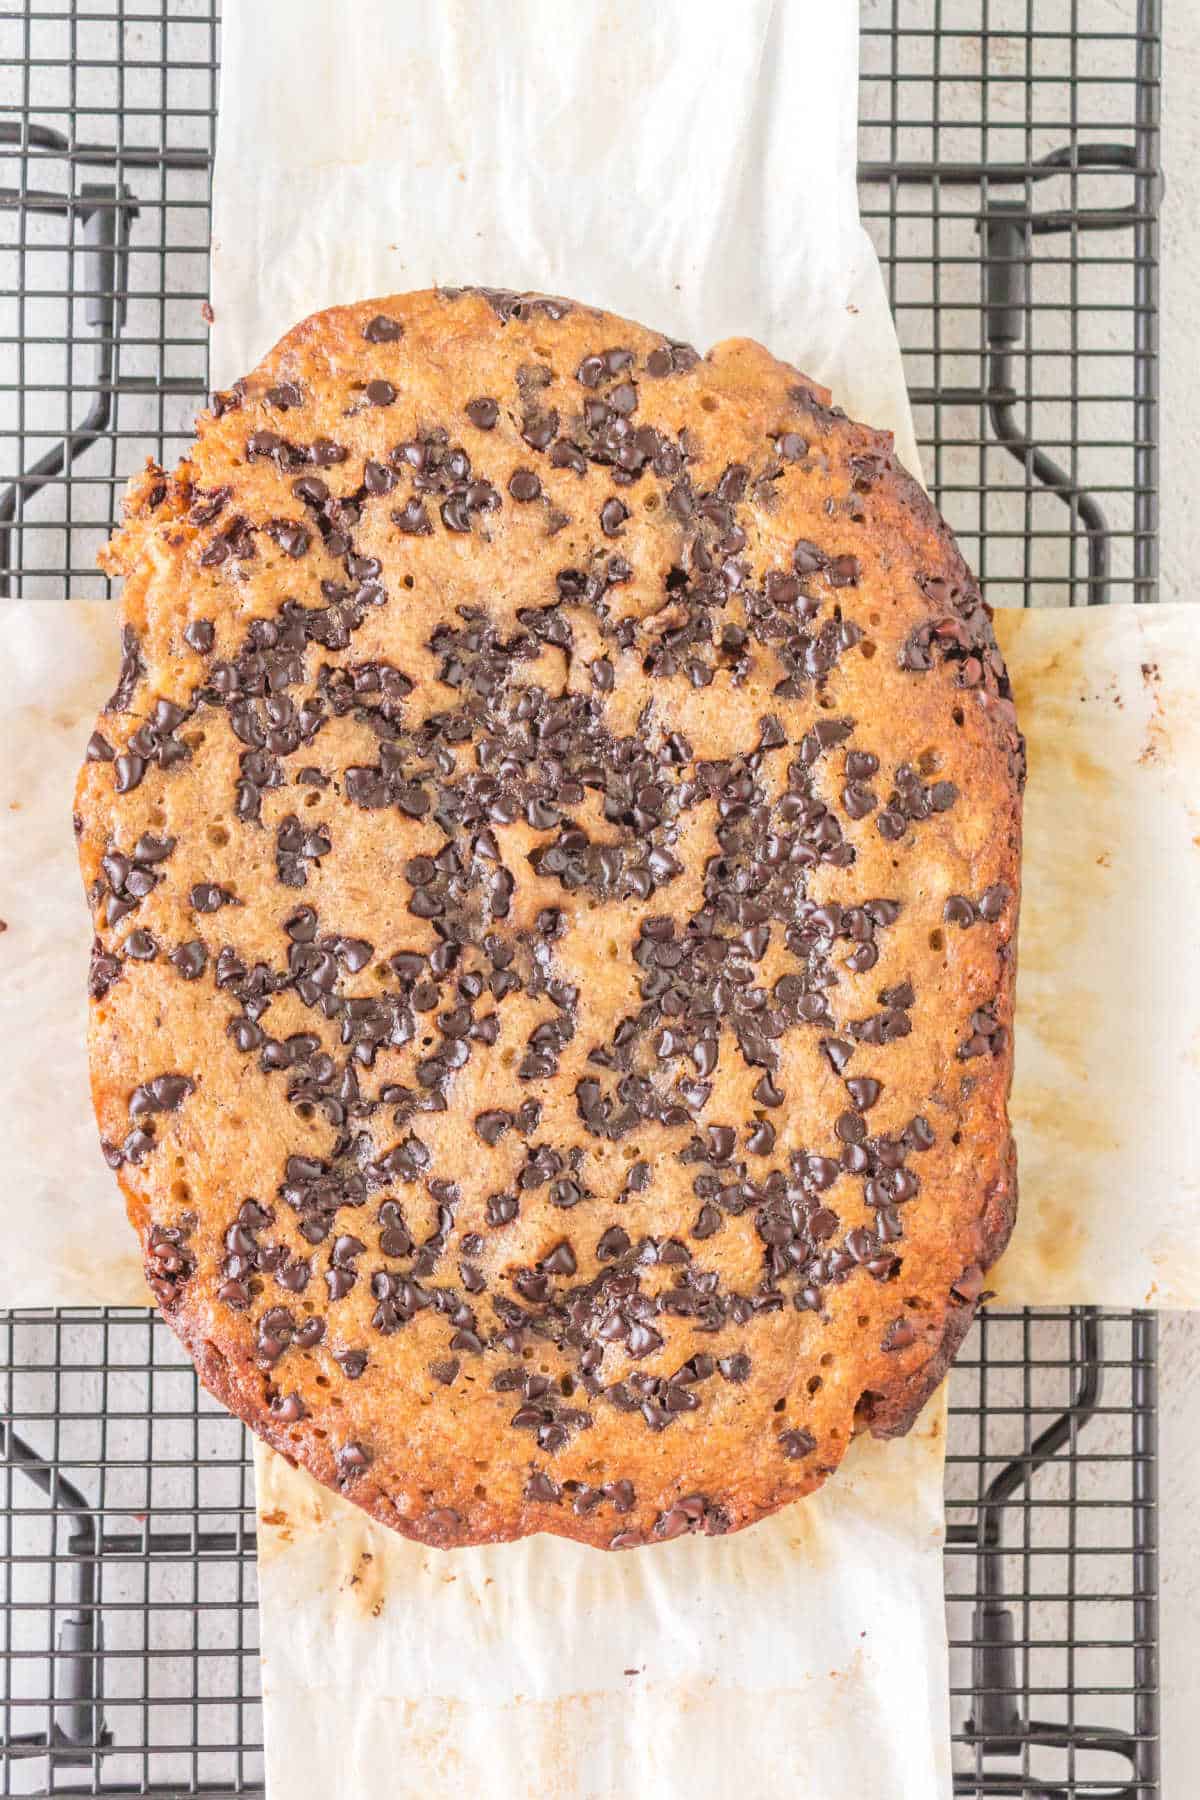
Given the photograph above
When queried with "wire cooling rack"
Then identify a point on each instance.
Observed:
(1009, 177)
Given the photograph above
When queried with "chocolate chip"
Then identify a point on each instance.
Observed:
(899, 1335)
(378, 478)
(325, 453)
(807, 558)
(207, 897)
(615, 1242)
(352, 1459)
(292, 537)
(864, 1091)
(540, 1487)
(708, 1221)
(483, 413)
(413, 519)
(858, 800)
(559, 1261)
(502, 1209)
(797, 1443)
(382, 330)
(850, 1127)
(199, 635)
(284, 396)
(190, 960)
(524, 485)
(613, 515)
(130, 770)
(491, 1126)
(993, 901)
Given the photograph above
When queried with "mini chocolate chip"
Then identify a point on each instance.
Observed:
(352, 1459)
(993, 901)
(380, 393)
(540, 1487)
(524, 485)
(325, 453)
(615, 1242)
(378, 478)
(491, 1126)
(207, 897)
(843, 571)
(382, 330)
(899, 1335)
(292, 537)
(560, 1260)
(850, 1127)
(613, 515)
(199, 635)
(797, 1443)
(130, 768)
(761, 1141)
(722, 1141)
(858, 800)
(864, 1091)
(413, 519)
(190, 960)
(284, 396)
(807, 558)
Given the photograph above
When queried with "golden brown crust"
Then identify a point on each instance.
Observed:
(554, 857)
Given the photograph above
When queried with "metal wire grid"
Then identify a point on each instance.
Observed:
(1011, 183)
(139, 1516)
(1009, 165)
(107, 122)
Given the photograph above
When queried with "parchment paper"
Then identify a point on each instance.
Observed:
(1106, 1096)
(804, 1656)
(1106, 1101)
